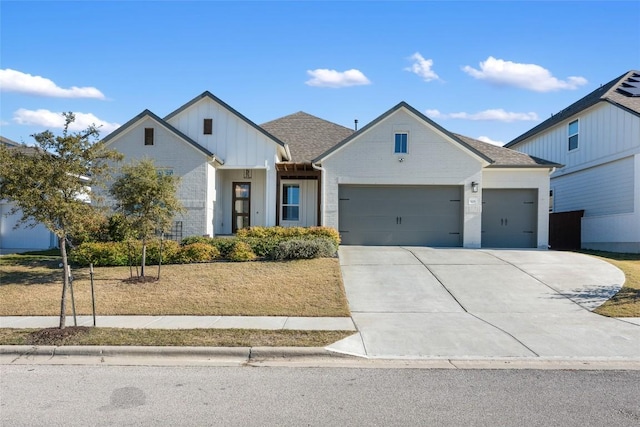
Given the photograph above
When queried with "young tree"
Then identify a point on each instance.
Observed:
(51, 184)
(147, 198)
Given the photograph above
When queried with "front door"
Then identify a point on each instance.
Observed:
(241, 206)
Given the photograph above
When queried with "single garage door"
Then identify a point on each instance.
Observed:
(510, 218)
(400, 215)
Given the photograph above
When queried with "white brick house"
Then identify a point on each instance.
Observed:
(597, 138)
(410, 182)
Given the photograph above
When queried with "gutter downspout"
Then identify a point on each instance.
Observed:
(323, 186)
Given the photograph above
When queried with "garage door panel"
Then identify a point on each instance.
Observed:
(509, 218)
(400, 215)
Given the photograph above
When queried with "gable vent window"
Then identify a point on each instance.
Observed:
(208, 126)
(573, 135)
(148, 136)
(401, 139)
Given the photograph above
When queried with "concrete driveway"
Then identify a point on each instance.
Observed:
(418, 302)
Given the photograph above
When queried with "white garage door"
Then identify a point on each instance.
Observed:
(400, 215)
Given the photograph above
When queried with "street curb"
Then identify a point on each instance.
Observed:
(248, 353)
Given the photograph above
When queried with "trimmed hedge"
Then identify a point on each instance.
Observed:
(241, 252)
(276, 243)
(288, 233)
(303, 249)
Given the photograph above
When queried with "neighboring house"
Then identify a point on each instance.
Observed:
(598, 140)
(21, 237)
(401, 180)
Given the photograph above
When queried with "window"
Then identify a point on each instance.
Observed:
(148, 136)
(551, 200)
(208, 126)
(401, 142)
(290, 202)
(573, 135)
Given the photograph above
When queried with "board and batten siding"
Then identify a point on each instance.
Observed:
(432, 159)
(605, 133)
(233, 140)
(171, 152)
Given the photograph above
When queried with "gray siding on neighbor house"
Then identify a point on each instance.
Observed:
(602, 190)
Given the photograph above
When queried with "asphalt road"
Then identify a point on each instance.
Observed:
(42, 395)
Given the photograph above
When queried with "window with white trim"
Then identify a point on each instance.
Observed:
(573, 129)
(290, 202)
(401, 141)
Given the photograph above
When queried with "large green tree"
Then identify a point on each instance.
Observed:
(148, 199)
(52, 184)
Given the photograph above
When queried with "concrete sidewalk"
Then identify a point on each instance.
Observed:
(188, 322)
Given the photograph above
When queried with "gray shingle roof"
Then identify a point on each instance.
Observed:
(307, 136)
(609, 92)
(506, 158)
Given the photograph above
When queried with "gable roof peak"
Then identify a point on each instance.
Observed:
(608, 92)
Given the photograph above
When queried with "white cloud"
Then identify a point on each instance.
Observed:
(50, 119)
(323, 77)
(490, 141)
(496, 114)
(527, 76)
(422, 67)
(16, 81)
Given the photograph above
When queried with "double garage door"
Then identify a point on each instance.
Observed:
(400, 215)
(432, 216)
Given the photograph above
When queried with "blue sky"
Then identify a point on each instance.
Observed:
(488, 70)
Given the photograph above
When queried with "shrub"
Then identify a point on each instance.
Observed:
(196, 239)
(261, 246)
(110, 254)
(101, 254)
(170, 251)
(197, 252)
(224, 244)
(241, 252)
(287, 233)
(319, 247)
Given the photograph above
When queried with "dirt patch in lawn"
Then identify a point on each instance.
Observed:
(291, 288)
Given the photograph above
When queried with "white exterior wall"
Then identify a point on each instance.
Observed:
(523, 179)
(602, 176)
(606, 133)
(24, 237)
(308, 212)
(190, 164)
(259, 194)
(233, 140)
(432, 159)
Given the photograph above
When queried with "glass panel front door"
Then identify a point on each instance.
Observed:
(241, 205)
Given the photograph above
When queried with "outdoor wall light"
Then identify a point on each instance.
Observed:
(401, 159)
(474, 187)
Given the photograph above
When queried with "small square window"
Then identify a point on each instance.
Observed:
(148, 136)
(401, 139)
(208, 126)
(573, 135)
